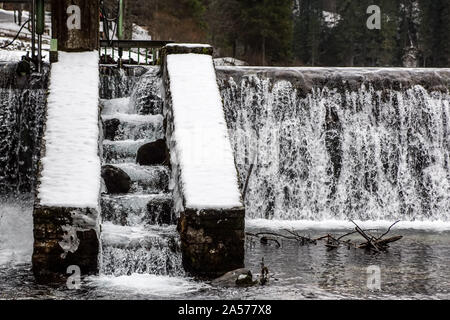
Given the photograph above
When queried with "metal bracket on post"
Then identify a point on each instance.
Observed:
(53, 50)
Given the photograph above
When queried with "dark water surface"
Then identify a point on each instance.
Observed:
(417, 267)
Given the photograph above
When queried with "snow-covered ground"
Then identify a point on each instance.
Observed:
(140, 33)
(229, 62)
(203, 149)
(71, 165)
(20, 47)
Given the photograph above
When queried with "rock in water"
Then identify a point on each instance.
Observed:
(116, 180)
(153, 153)
(110, 128)
(237, 278)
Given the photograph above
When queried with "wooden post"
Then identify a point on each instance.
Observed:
(75, 24)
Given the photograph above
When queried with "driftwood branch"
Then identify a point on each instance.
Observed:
(377, 244)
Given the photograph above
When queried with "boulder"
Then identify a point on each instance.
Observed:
(110, 128)
(116, 180)
(237, 278)
(153, 153)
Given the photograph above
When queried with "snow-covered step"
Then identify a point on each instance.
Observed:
(139, 249)
(138, 209)
(120, 126)
(122, 151)
(146, 179)
(119, 105)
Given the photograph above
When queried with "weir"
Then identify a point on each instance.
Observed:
(341, 143)
(150, 181)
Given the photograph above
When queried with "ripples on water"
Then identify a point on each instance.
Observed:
(415, 267)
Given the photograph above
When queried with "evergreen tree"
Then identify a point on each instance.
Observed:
(267, 29)
(308, 31)
(434, 35)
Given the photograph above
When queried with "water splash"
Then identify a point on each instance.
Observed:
(16, 229)
(367, 154)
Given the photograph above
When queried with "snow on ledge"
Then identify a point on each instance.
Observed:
(188, 45)
(202, 146)
(70, 175)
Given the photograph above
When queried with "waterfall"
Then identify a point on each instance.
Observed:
(22, 113)
(119, 82)
(341, 144)
(138, 231)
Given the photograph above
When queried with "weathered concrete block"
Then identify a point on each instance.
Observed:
(67, 207)
(64, 237)
(212, 241)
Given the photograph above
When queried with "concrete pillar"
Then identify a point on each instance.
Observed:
(212, 239)
(66, 236)
(75, 24)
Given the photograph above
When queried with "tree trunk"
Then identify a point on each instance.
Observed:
(83, 34)
(19, 15)
(263, 63)
(127, 22)
(234, 48)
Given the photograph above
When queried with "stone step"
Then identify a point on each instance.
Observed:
(122, 151)
(138, 249)
(138, 209)
(146, 179)
(121, 126)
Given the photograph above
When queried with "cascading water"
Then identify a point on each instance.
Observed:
(139, 235)
(119, 82)
(22, 113)
(342, 144)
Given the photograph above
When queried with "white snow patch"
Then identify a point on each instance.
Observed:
(203, 149)
(438, 226)
(331, 18)
(229, 62)
(139, 33)
(71, 165)
(11, 55)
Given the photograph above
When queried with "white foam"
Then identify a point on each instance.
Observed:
(16, 232)
(119, 105)
(162, 286)
(135, 118)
